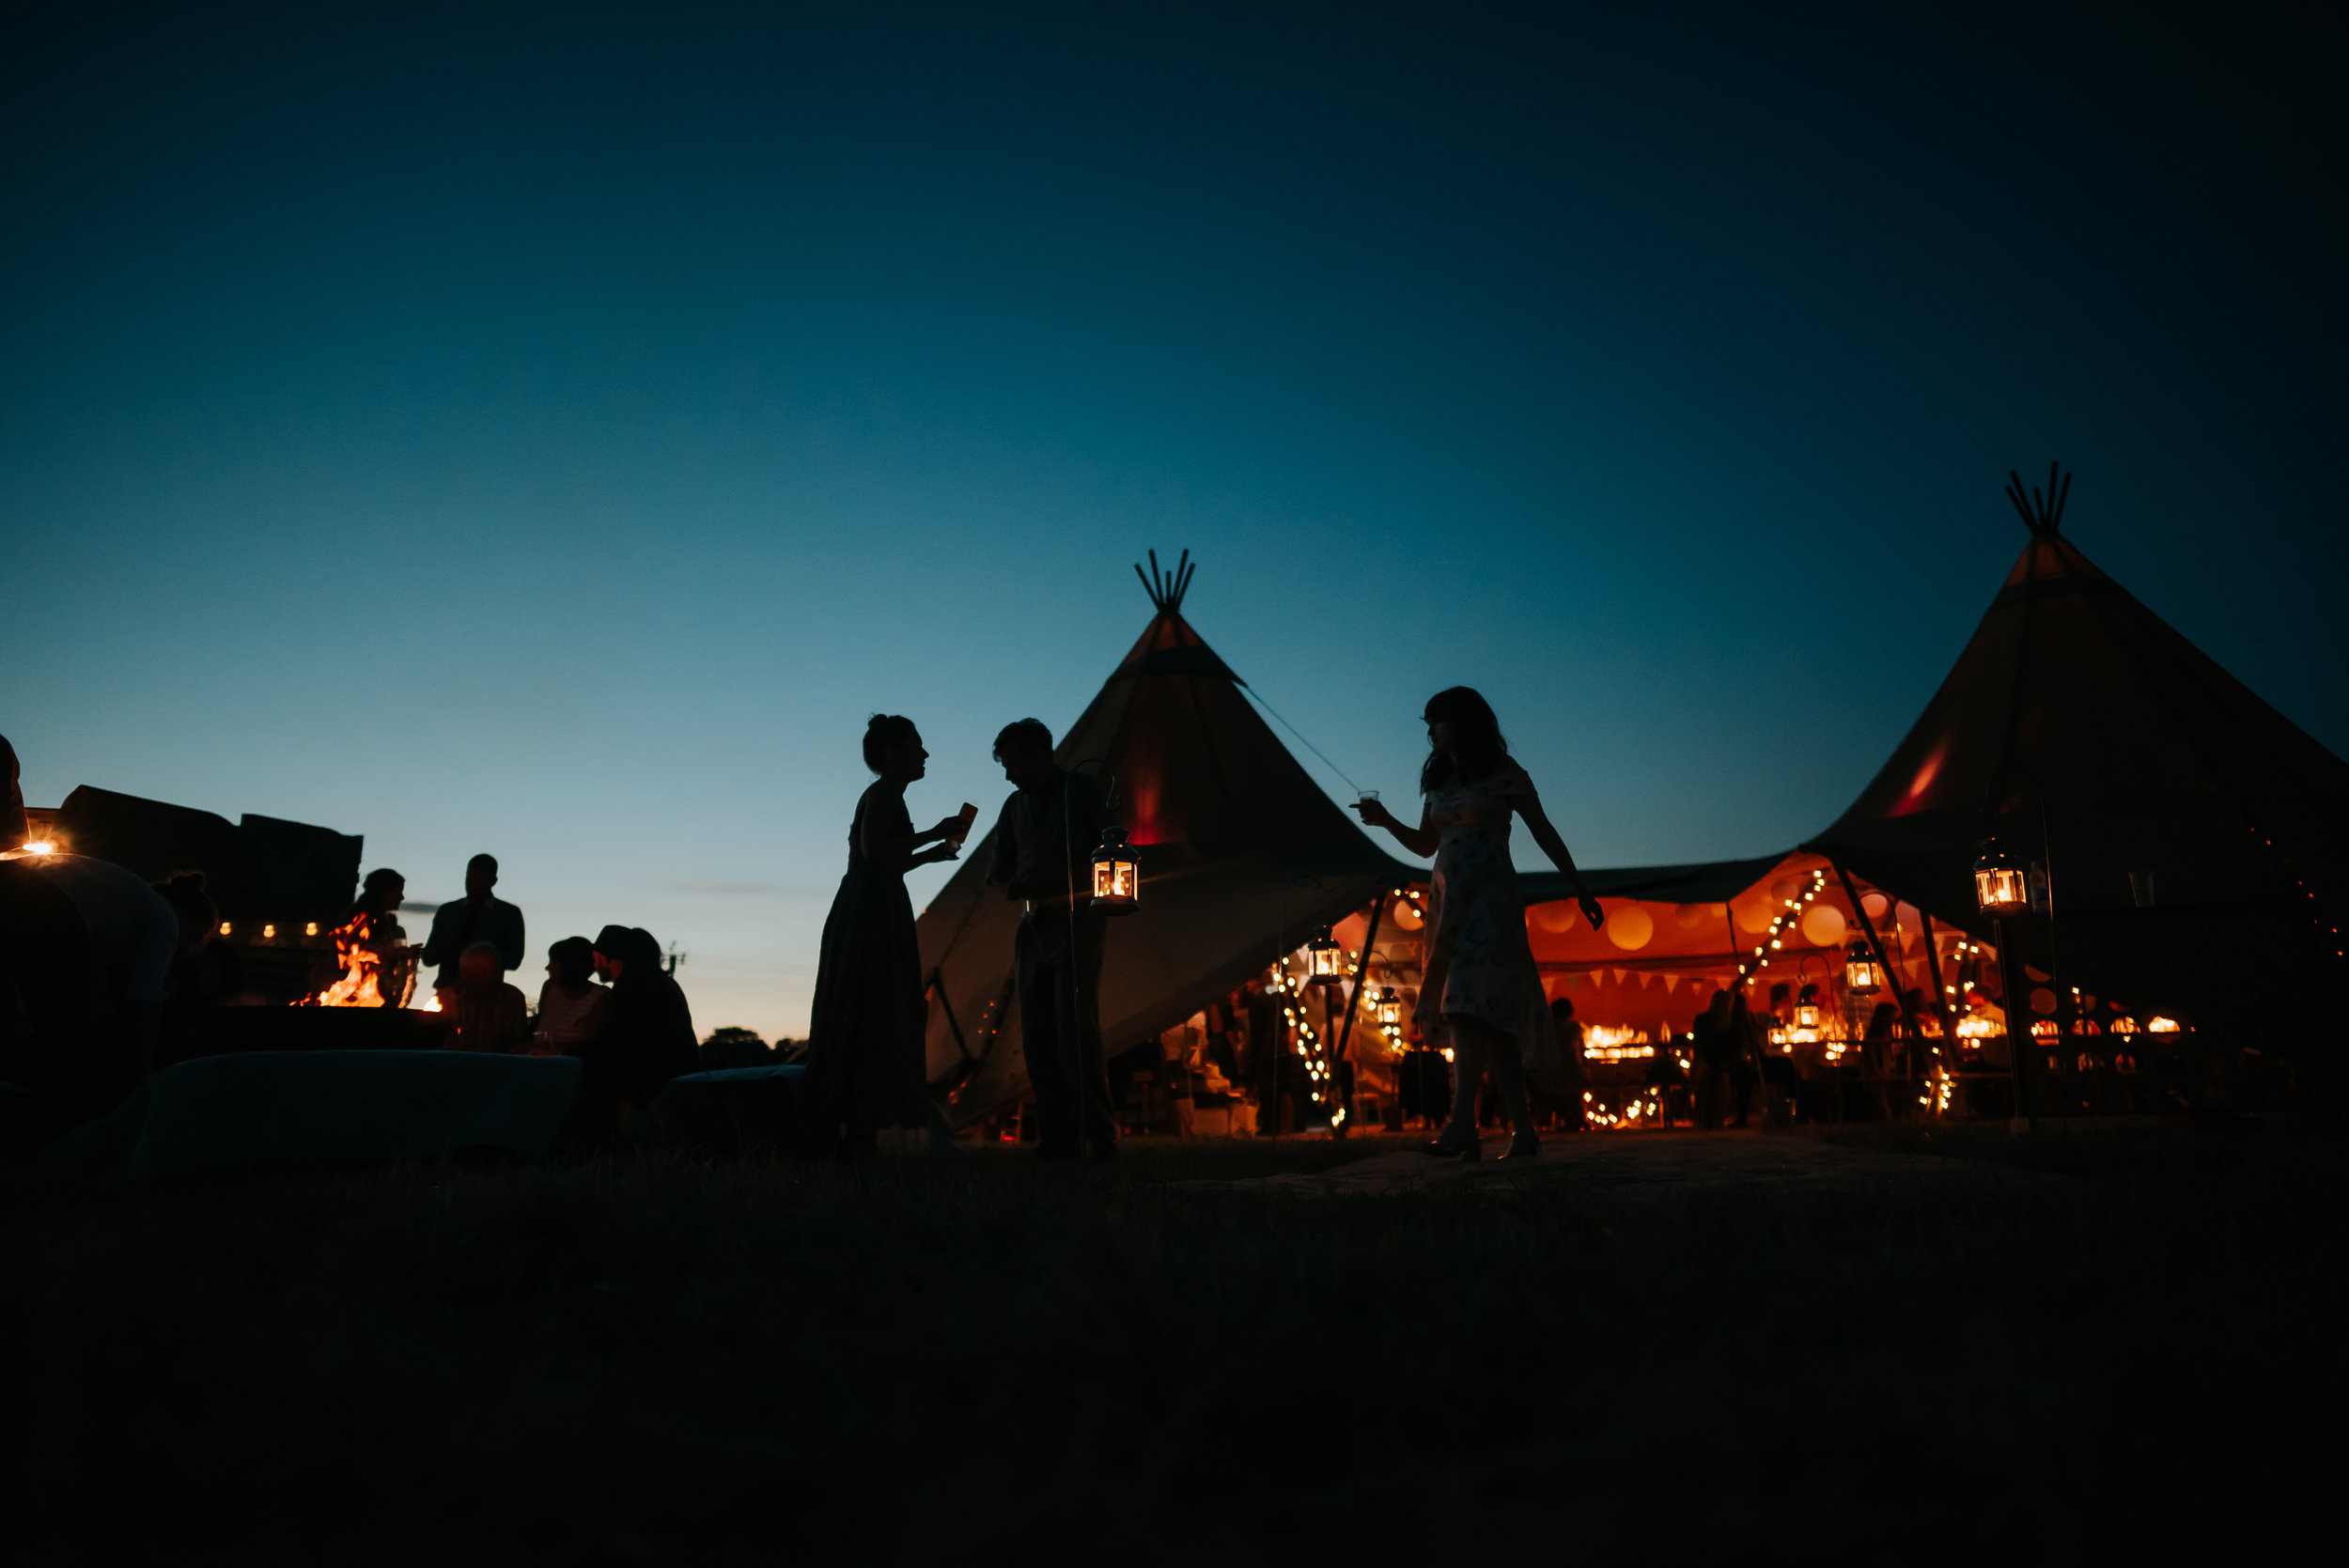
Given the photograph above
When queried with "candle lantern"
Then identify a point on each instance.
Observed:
(1862, 975)
(1325, 961)
(1390, 1008)
(2000, 885)
(1117, 876)
(1807, 1009)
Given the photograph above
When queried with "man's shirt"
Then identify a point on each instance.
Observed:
(1044, 835)
(457, 926)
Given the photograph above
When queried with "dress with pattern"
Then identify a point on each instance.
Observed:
(1477, 961)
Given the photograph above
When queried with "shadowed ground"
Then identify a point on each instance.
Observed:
(2087, 1348)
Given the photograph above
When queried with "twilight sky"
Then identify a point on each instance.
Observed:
(554, 432)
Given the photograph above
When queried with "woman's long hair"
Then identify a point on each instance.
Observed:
(1478, 748)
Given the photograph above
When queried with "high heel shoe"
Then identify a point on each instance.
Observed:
(1467, 1148)
(1524, 1146)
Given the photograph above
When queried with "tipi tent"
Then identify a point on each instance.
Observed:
(2099, 743)
(1242, 859)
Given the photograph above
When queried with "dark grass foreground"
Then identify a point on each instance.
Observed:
(2136, 1348)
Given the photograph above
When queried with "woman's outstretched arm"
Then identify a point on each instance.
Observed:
(895, 850)
(1537, 823)
(1421, 840)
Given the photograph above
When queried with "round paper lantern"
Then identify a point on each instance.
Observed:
(1557, 918)
(1786, 887)
(1822, 926)
(1875, 904)
(1689, 916)
(1909, 918)
(2043, 1001)
(1754, 915)
(1629, 926)
(1408, 916)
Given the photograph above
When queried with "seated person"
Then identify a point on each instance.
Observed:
(484, 1011)
(572, 1008)
(205, 969)
(649, 1039)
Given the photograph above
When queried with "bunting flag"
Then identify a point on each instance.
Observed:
(1671, 980)
(1618, 975)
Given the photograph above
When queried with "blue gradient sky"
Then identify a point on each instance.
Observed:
(553, 432)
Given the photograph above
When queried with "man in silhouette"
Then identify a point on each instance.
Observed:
(480, 918)
(1044, 841)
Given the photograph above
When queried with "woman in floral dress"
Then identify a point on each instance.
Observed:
(1479, 979)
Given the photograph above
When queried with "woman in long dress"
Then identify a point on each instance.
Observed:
(866, 1067)
(1478, 981)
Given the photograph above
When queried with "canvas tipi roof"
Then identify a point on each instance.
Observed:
(2145, 756)
(1242, 859)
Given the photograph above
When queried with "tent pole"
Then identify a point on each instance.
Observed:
(1354, 1002)
(1891, 975)
(1940, 998)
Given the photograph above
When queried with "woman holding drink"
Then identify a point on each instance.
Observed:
(864, 1063)
(1479, 979)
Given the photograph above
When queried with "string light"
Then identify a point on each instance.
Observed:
(1774, 941)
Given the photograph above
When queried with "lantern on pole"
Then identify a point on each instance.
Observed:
(1116, 878)
(1325, 960)
(1807, 1009)
(2002, 886)
(1862, 975)
(1390, 1008)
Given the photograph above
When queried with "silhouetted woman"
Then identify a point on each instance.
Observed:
(864, 1059)
(1479, 979)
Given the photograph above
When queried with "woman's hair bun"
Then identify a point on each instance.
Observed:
(882, 731)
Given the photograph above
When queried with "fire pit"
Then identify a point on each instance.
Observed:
(236, 1028)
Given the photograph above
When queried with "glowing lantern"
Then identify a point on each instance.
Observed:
(1806, 1014)
(269, 933)
(311, 929)
(1390, 1008)
(1862, 975)
(226, 930)
(2000, 887)
(1117, 876)
(1325, 960)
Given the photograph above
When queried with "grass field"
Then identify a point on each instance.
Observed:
(2136, 1345)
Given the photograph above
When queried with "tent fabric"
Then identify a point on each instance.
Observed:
(1243, 857)
(262, 1109)
(1706, 882)
(2072, 698)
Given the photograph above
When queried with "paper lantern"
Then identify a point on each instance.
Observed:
(1999, 886)
(1629, 927)
(1406, 915)
(1557, 918)
(1874, 904)
(1689, 916)
(1117, 876)
(1754, 915)
(1822, 926)
(1862, 975)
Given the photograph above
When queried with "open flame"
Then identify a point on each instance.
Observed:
(361, 981)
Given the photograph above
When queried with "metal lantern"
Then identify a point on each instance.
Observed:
(1807, 1014)
(1862, 975)
(1390, 1008)
(1116, 878)
(2000, 885)
(1325, 960)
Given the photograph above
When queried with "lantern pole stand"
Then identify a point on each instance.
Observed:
(1361, 975)
(1891, 975)
(1075, 1042)
(2010, 964)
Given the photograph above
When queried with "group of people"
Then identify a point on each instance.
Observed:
(610, 1001)
(1480, 987)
